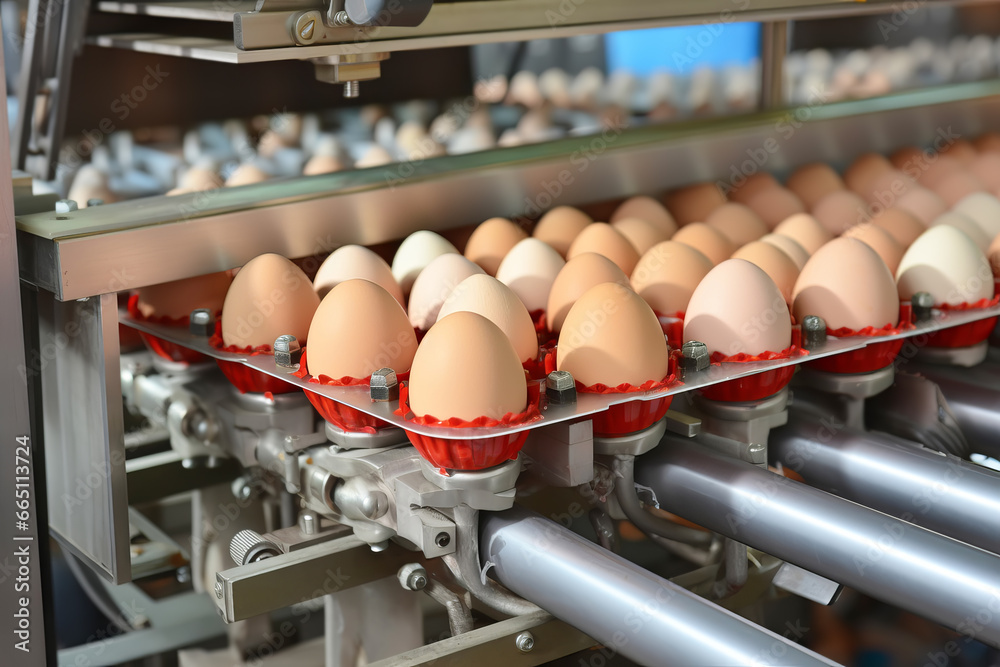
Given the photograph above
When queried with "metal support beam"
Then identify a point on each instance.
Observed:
(773, 48)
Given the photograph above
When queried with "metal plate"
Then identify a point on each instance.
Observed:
(198, 10)
(587, 404)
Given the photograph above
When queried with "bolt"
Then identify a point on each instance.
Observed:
(694, 357)
(287, 352)
(384, 386)
(66, 206)
(412, 577)
(560, 387)
(202, 322)
(922, 304)
(352, 89)
(305, 27)
(813, 332)
(442, 540)
(218, 589)
(375, 504)
(307, 523)
(525, 642)
(342, 20)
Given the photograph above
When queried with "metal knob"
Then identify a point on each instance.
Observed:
(249, 546)
(813, 332)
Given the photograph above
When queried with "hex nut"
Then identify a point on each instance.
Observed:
(384, 386)
(202, 322)
(813, 332)
(922, 304)
(412, 577)
(287, 353)
(560, 388)
(694, 357)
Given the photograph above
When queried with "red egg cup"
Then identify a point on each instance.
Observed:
(247, 380)
(344, 417)
(632, 416)
(470, 453)
(753, 387)
(965, 335)
(872, 357)
(158, 346)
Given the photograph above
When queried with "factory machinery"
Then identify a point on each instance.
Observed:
(290, 511)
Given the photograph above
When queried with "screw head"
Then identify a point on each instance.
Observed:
(287, 353)
(694, 357)
(384, 386)
(202, 322)
(218, 589)
(560, 387)
(412, 577)
(813, 332)
(306, 24)
(417, 581)
(922, 304)
(525, 642)
(442, 540)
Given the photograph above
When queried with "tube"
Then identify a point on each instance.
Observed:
(937, 491)
(903, 565)
(628, 609)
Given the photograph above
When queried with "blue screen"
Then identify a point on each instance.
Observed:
(683, 49)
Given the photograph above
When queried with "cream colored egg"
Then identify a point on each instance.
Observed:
(354, 261)
(603, 239)
(529, 270)
(948, 265)
(560, 226)
(804, 230)
(847, 284)
(580, 274)
(323, 164)
(706, 240)
(641, 234)
(357, 329)
(415, 252)
(178, 298)
(738, 223)
(984, 210)
(880, 241)
(775, 263)
(200, 178)
(612, 337)
(667, 275)
(737, 309)
(496, 302)
(247, 174)
(375, 156)
(269, 297)
(648, 209)
(965, 224)
(90, 183)
(466, 368)
(790, 247)
(434, 285)
(491, 241)
(957, 186)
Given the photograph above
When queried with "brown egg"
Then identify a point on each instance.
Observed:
(848, 285)
(901, 225)
(323, 164)
(247, 174)
(694, 203)
(804, 230)
(774, 205)
(529, 270)
(738, 223)
(178, 298)
(967, 225)
(888, 188)
(612, 337)
(790, 247)
(375, 156)
(958, 186)
(813, 182)
(775, 263)
(987, 143)
(353, 261)
(580, 274)
(963, 151)
(923, 204)
(937, 168)
(641, 234)
(880, 241)
(752, 185)
(986, 168)
(736, 309)
(493, 300)
(461, 347)
(667, 275)
(648, 209)
(357, 329)
(560, 226)
(269, 297)
(603, 239)
(435, 284)
(840, 211)
(908, 158)
(864, 170)
(491, 241)
(706, 240)
(199, 178)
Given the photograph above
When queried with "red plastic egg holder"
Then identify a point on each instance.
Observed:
(872, 357)
(965, 335)
(246, 379)
(757, 386)
(673, 328)
(160, 347)
(344, 417)
(470, 453)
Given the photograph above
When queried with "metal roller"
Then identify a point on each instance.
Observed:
(630, 610)
(937, 491)
(906, 566)
(974, 397)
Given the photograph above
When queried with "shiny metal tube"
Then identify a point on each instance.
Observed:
(976, 405)
(629, 610)
(937, 491)
(906, 566)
